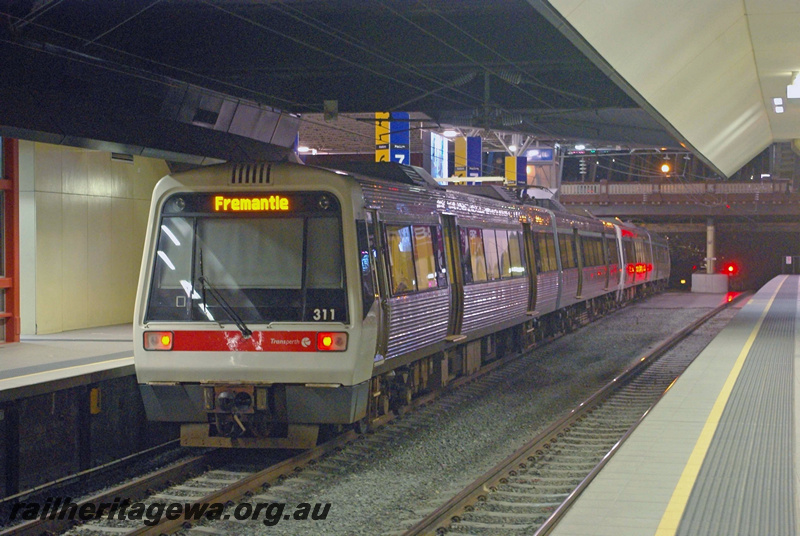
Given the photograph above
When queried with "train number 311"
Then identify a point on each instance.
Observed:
(325, 314)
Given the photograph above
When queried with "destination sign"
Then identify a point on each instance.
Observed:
(250, 204)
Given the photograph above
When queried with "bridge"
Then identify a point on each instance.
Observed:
(757, 224)
(677, 205)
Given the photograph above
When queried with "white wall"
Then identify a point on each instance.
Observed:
(89, 224)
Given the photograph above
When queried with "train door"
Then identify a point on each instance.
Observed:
(559, 264)
(578, 241)
(382, 287)
(530, 261)
(453, 257)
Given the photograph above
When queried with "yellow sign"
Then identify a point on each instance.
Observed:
(460, 169)
(511, 170)
(382, 136)
(250, 204)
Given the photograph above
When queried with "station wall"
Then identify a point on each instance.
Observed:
(82, 223)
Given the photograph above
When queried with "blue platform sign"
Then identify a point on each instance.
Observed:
(400, 139)
(474, 154)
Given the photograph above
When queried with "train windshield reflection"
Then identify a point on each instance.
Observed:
(269, 269)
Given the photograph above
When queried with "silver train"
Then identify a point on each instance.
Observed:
(277, 300)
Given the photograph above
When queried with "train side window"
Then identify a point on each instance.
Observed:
(613, 252)
(365, 266)
(477, 255)
(503, 254)
(466, 258)
(401, 259)
(587, 250)
(567, 247)
(629, 250)
(438, 250)
(424, 258)
(593, 251)
(546, 253)
(552, 255)
(540, 252)
(490, 243)
(516, 268)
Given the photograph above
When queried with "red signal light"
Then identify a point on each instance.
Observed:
(730, 268)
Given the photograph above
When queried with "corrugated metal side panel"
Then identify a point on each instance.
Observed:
(486, 304)
(570, 289)
(417, 320)
(546, 292)
(594, 282)
(401, 200)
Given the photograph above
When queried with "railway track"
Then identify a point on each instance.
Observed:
(210, 479)
(528, 492)
(202, 483)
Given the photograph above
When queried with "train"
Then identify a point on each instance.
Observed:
(280, 302)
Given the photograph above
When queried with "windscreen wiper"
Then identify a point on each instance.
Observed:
(223, 303)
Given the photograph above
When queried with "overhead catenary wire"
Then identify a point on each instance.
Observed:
(315, 48)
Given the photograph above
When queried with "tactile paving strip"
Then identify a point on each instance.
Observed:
(745, 484)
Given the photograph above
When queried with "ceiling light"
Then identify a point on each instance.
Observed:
(580, 147)
(777, 101)
(303, 149)
(779, 109)
(512, 148)
(450, 133)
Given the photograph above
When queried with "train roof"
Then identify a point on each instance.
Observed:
(391, 171)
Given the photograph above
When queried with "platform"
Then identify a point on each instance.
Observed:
(70, 402)
(716, 456)
(44, 363)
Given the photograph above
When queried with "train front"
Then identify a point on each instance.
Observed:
(244, 330)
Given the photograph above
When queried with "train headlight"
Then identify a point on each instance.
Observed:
(175, 204)
(158, 340)
(331, 342)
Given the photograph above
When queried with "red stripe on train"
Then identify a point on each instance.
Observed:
(232, 341)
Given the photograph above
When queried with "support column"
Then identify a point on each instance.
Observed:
(710, 281)
(710, 250)
(9, 278)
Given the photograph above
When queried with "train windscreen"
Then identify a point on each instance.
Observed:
(262, 259)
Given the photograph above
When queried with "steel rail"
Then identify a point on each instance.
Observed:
(137, 488)
(437, 521)
(184, 470)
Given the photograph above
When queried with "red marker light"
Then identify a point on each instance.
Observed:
(158, 340)
(331, 342)
(730, 268)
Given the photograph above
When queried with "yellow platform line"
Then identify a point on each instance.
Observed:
(680, 495)
(15, 378)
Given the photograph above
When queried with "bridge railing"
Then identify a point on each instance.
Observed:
(656, 192)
